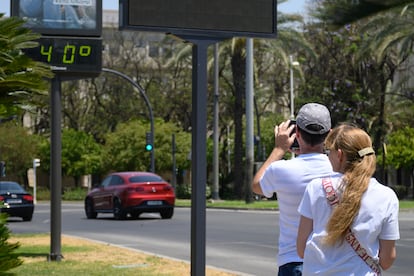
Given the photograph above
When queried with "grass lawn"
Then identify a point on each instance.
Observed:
(236, 204)
(406, 204)
(84, 257)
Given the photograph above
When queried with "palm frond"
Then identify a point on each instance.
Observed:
(340, 13)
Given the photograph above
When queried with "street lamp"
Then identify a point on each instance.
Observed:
(292, 96)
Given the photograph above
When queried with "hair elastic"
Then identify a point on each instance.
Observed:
(366, 151)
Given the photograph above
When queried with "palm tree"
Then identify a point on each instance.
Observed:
(273, 54)
(342, 12)
(21, 78)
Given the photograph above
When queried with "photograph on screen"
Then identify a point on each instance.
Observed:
(81, 17)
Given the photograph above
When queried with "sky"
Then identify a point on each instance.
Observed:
(290, 6)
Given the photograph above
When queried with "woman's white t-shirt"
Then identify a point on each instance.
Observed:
(377, 219)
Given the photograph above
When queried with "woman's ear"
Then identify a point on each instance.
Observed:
(341, 155)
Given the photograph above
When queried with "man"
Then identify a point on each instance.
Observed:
(289, 178)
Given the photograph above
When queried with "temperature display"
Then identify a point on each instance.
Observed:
(71, 55)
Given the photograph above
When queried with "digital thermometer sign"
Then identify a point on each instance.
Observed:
(69, 55)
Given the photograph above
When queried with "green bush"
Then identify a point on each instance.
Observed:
(67, 194)
(74, 194)
(8, 259)
(183, 191)
(43, 194)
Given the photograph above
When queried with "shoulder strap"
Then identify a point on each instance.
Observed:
(350, 236)
(329, 191)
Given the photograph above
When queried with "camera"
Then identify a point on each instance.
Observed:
(295, 145)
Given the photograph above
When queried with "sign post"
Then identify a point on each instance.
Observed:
(71, 44)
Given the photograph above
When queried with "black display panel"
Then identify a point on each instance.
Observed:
(227, 18)
(60, 17)
(69, 55)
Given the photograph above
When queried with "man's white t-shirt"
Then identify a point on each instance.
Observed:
(376, 219)
(288, 179)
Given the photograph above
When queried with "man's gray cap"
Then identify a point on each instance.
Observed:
(314, 118)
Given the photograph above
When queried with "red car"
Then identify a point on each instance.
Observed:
(132, 193)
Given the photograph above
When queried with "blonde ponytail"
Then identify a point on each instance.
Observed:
(360, 166)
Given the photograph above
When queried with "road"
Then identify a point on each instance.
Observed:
(240, 241)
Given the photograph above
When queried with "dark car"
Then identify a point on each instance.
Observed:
(15, 201)
(132, 193)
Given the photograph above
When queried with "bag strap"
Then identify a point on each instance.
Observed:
(350, 236)
(330, 191)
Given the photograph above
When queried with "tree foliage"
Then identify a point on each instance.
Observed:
(400, 148)
(81, 154)
(337, 79)
(381, 34)
(124, 149)
(18, 148)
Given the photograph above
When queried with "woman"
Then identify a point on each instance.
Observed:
(349, 223)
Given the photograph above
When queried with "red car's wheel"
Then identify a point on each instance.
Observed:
(90, 210)
(119, 212)
(167, 213)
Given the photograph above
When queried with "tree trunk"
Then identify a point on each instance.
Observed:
(238, 65)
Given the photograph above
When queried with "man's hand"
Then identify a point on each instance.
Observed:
(282, 138)
(282, 145)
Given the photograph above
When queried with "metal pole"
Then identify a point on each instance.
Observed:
(215, 193)
(198, 158)
(249, 120)
(198, 152)
(174, 169)
(260, 150)
(228, 151)
(292, 96)
(144, 95)
(56, 172)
